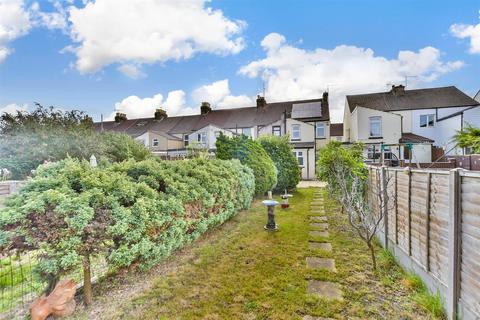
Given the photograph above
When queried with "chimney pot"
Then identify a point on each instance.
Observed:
(120, 117)
(261, 102)
(398, 90)
(205, 108)
(160, 114)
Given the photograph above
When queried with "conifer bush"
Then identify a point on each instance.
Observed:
(252, 154)
(128, 212)
(281, 152)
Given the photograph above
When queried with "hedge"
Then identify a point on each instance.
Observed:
(281, 152)
(129, 212)
(252, 154)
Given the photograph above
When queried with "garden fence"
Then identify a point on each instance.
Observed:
(432, 226)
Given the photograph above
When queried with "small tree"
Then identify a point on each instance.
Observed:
(344, 170)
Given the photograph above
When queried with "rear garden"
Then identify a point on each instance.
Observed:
(240, 271)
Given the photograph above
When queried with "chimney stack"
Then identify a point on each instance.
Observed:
(205, 108)
(160, 114)
(325, 99)
(261, 102)
(120, 117)
(398, 90)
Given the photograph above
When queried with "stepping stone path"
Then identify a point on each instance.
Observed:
(321, 263)
(322, 226)
(318, 218)
(318, 225)
(316, 318)
(321, 245)
(325, 290)
(316, 233)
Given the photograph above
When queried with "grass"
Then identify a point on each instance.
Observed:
(239, 271)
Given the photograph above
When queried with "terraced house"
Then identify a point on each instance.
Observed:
(307, 122)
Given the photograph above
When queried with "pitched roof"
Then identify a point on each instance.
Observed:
(408, 137)
(222, 118)
(336, 129)
(441, 97)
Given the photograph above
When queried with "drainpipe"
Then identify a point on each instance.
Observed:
(308, 164)
(285, 122)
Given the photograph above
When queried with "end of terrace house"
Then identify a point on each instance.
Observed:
(413, 126)
(307, 122)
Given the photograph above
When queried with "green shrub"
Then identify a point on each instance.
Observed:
(252, 154)
(129, 212)
(118, 147)
(281, 152)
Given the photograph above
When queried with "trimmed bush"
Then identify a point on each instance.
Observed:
(252, 154)
(281, 152)
(129, 212)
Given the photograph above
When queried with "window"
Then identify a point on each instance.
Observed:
(299, 156)
(295, 132)
(217, 134)
(155, 142)
(276, 131)
(202, 137)
(427, 120)
(373, 152)
(320, 130)
(185, 139)
(375, 126)
(247, 132)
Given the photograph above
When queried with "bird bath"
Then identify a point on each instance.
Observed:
(271, 225)
(285, 197)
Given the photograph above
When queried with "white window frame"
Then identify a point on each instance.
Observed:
(296, 134)
(155, 142)
(185, 139)
(277, 131)
(299, 155)
(249, 130)
(202, 138)
(375, 120)
(320, 125)
(430, 118)
(217, 133)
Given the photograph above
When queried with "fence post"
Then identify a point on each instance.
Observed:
(427, 206)
(453, 243)
(384, 204)
(409, 211)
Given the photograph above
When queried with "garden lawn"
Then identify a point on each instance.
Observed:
(240, 271)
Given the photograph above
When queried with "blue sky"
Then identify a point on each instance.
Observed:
(228, 51)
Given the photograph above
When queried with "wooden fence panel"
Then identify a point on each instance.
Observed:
(391, 207)
(470, 244)
(403, 210)
(439, 217)
(418, 214)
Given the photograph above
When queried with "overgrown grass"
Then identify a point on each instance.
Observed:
(240, 271)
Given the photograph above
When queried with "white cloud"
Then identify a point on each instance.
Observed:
(294, 73)
(13, 107)
(131, 71)
(14, 23)
(469, 31)
(218, 94)
(135, 107)
(149, 31)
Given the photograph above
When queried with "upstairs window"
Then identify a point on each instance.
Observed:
(202, 137)
(375, 127)
(427, 120)
(217, 134)
(185, 139)
(295, 132)
(320, 130)
(276, 131)
(155, 142)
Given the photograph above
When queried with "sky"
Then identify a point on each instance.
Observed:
(135, 56)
